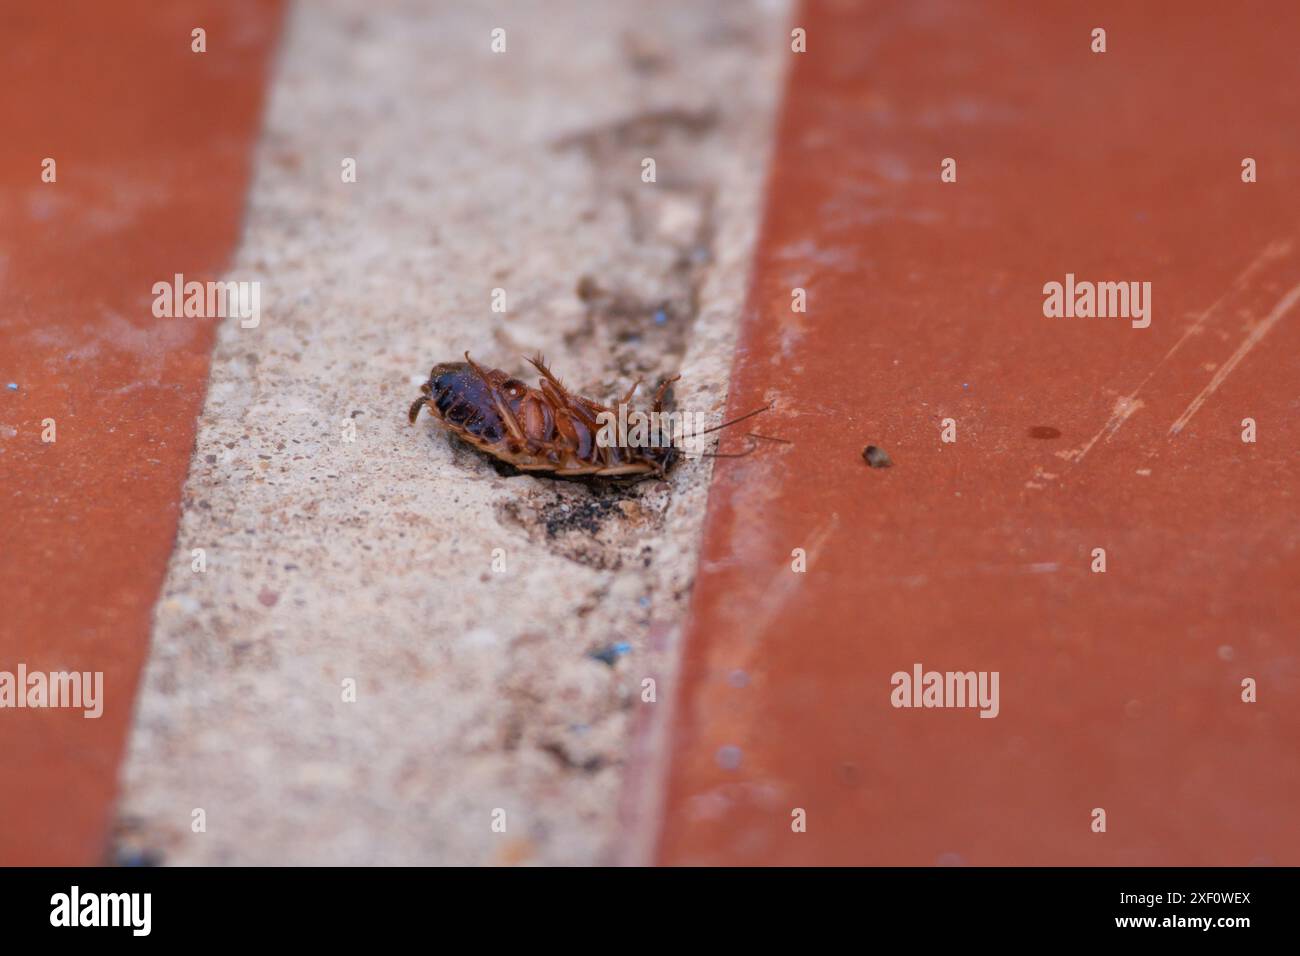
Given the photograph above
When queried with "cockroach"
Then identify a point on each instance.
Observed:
(547, 429)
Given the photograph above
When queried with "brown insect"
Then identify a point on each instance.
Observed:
(543, 429)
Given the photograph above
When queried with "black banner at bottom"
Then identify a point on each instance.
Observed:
(337, 906)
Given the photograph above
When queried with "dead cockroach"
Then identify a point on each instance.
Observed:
(543, 429)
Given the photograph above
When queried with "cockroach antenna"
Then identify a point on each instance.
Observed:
(757, 411)
(753, 446)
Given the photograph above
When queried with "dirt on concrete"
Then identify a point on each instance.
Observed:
(372, 647)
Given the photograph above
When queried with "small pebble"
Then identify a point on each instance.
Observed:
(136, 857)
(876, 457)
(611, 653)
(13, 386)
(728, 757)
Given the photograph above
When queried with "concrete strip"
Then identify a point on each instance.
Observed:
(330, 560)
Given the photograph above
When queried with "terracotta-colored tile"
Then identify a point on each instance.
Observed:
(151, 143)
(925, 302)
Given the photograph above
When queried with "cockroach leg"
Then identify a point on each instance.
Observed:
(555, 394)
(614, 472)
(630, 392)
(478, 370)
(508, 417)
(662, 391)
(539, 363)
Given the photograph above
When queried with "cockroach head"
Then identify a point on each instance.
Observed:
(447, 375)
(447, 381)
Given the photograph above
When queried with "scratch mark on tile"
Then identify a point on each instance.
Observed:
(786, 580)
(1256, 334)
(1124, 408)
(1128, 404)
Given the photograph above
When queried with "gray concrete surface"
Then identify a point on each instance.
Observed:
(329, 560)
